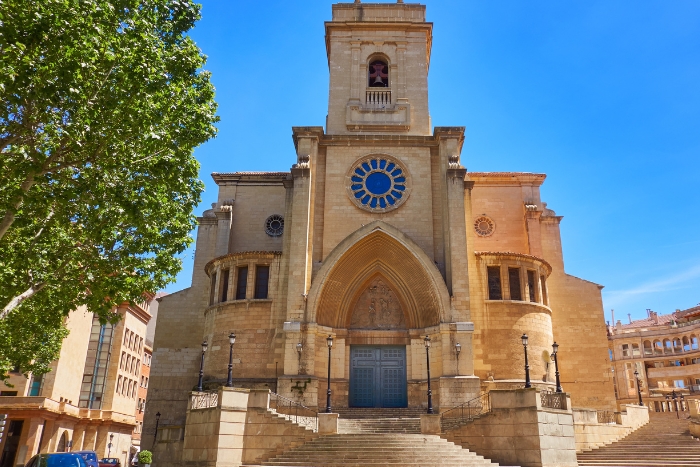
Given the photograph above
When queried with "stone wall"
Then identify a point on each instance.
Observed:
(519, 431)
(591, 434)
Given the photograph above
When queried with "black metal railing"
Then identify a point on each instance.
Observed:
(294, 411)
(553, 400)
(465, 413)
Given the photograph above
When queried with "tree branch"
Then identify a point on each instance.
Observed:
(17, 301)
(9, 216)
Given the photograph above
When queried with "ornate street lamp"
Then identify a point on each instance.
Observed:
(555, 349)
(231, 341)
(329, 343)
(155, 433)
(201, 366)
(527, 365)
(427, 357)
(639, 388)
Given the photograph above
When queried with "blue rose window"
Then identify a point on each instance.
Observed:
(378, 183)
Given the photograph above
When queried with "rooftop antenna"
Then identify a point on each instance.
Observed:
(629, 316)
(613, 316)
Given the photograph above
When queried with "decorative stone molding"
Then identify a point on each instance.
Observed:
(484, 226)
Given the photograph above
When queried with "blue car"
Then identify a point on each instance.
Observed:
(58, 459)
(90, 458)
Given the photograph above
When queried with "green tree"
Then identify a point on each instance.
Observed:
(103, 103)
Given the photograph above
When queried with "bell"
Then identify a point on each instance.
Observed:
(378, 79)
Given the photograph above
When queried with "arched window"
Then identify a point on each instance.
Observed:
(686, 344)
(694, 342)
(647, 348)
(677, 346)
(658, 349)
(61, 447)
(378, 74)
(668, 348)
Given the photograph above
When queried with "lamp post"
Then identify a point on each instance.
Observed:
(109, 446)
(201, 366)
(231, 341)
(458, 349)
(527, 366)
(639, 388)
(427, 357)
(555, 349)
(155, 433)
(329, 342)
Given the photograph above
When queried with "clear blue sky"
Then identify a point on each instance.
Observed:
(602, 96)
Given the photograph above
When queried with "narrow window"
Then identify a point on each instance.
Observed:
(625, 350)
(514, 282)
(531, 285)
(494, 277)
(242, 283)
(544, 291)
(635, 350)
(262, 278)
(212, 289)
(224, 285)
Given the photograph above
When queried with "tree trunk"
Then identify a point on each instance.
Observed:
(17, 301)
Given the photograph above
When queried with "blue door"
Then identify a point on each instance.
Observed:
(378, 376)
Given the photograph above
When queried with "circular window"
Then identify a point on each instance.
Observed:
(274, 225)
(378, 183)
(484, 226)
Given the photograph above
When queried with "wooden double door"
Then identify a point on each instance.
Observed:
(378, 376)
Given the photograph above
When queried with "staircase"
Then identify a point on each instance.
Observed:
(663, 442)
(367, 450)
(358, 421)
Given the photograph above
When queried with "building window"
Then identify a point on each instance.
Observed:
(241, 283)
(545, 300)
(679, 383)
(647, 349)
(262, 279)
(658, 348)
(224, 285)
(686, 344)
(625, 350)
(694, 342)
(677, 346)
(378, 74)
(8, 393)
(531, 285)
(96, 364)
(494, 279)
(514, 283)
(212, 291)
(35, 385)
(635, 350)
(119, 385)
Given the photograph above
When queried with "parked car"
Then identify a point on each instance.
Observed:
(90, 458)
(110, 462)
(57, 459)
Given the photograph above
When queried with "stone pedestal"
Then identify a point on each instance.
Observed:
(430, 424)
(327, 423)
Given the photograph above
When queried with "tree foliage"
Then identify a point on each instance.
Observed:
(103, 103)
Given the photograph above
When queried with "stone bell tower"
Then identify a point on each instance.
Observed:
(378, 56)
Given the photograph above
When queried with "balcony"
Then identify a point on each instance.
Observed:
(680, 372)
(378, 112)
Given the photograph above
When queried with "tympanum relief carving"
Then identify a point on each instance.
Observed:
(378, 308)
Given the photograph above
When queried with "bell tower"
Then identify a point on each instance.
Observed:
(378, 56)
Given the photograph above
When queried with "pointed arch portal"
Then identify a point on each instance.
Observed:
(378, 255)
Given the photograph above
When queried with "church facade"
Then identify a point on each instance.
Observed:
(378, 236)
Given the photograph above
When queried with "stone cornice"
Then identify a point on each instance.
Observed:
(242, 254)
(516, 256)
(249, 177)
(507, 178)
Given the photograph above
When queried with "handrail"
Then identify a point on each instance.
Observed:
(294, 411)
(466, 412)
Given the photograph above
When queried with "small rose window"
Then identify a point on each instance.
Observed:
(484, 226)
(274, 225)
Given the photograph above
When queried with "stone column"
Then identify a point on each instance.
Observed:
(78, 437)
(534, 236)
(89, 438)
(29, 440)
(356, 79)
(224, 217)
(101, 441)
